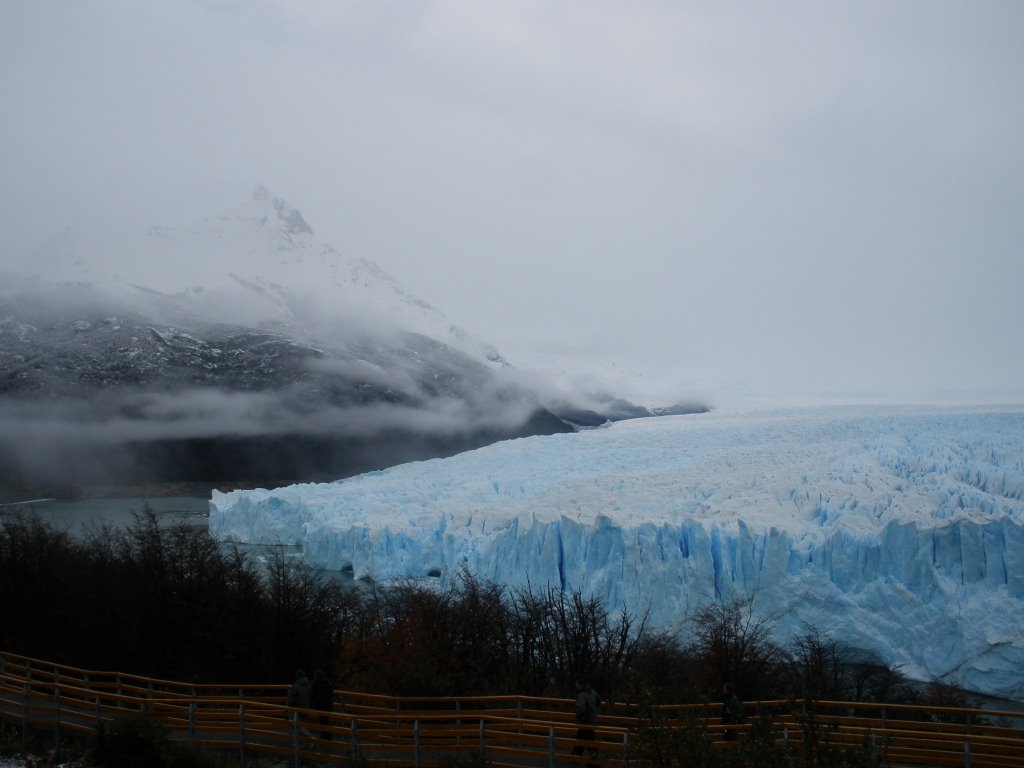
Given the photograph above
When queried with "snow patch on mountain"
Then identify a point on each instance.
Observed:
(259, 264)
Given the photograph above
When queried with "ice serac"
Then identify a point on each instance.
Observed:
(897, 530)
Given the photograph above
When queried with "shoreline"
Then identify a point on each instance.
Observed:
(31, 495)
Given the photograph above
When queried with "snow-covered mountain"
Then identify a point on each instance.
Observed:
(241, 348)
(258, 264)
(899, 530)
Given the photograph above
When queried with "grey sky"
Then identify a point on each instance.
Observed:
(723, 197)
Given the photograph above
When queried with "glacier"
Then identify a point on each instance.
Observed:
(897, 530)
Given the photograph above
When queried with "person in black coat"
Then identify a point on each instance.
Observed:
(301, 692)
(301, 695)
(731, 710)
(323, 699)
(587, 702)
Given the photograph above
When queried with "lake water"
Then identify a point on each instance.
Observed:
(78, 514)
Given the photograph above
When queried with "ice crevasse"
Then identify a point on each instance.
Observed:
(897, 530)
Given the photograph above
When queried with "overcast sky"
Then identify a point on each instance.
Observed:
(758, 197)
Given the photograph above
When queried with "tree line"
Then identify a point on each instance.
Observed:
(171, 601)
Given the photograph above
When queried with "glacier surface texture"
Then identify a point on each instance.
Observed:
(896, 530)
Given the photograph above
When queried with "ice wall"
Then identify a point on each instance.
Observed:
(898, 530)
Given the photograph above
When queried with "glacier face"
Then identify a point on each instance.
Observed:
(898, 530)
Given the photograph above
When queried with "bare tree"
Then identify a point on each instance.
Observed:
(733, 645)
(817, 667)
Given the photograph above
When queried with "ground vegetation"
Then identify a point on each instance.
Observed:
(169, 601)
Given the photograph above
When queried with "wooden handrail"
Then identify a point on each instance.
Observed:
(507, 727)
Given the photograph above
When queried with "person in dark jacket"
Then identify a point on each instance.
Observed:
(731, 710)
(301, 695)
(301, 692)
(322, 699)
(587, 702)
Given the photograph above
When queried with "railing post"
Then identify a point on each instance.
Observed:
(551, 746)
(24, 716)
(483, 744)
(120, 691)
(241, 735)
(353, 739)
(297, 761)
(99, 715)
(458, 723)
(968, 758)
(192, 720)
(416, 744)
(56, 722)
(625, 749)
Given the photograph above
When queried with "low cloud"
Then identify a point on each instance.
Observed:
(201, 413)
(197, 434)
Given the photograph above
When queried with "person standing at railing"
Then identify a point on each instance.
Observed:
(301, 695)
(587, 702)
(322, 699)
(732, 710)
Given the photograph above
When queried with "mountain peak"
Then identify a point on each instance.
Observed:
(258, 264)
(290, 218)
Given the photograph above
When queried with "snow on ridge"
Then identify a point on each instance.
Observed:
(287, 272)
(900, 528)
(257, 263)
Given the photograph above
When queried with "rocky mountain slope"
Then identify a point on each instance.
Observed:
(241, 350)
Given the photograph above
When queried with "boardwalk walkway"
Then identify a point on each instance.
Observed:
(253, 720)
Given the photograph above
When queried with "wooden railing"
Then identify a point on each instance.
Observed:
(504, 730)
